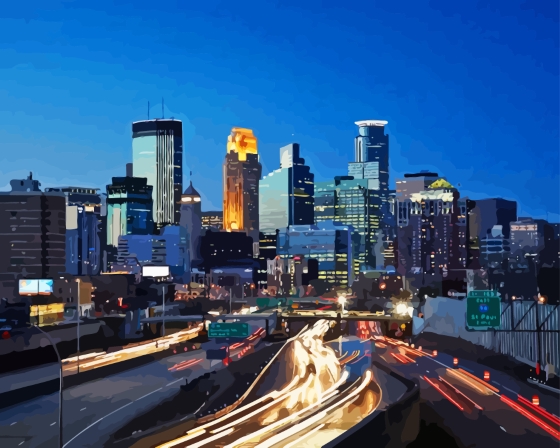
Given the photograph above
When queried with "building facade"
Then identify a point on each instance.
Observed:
(83, 230)
(191, 221)
(327, 242)
(213, 220)
(129, 208)
(494, 249)
(286, 194)
(157, 152)
(242, 172)
(351, 202)
(32, 232)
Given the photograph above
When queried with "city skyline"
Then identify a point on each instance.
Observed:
(438, 119)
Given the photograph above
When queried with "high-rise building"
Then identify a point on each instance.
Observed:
(242, 172)
(32, 232)
(157, 151)
(351, 202)
(83, 229)
(129, 208)
(191, 220)
(327, 242)
(488, 213)
(371, 148)
(436, 234)
(411, 184)
(494, 249)
(286, 194)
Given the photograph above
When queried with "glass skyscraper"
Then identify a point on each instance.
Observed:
(353, 203)
(129, 208)
(157, 152)
(286, 194)
(327, 242)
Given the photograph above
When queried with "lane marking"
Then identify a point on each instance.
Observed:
(83, 409)
(53, 423)
(13, 423)
(503, 429)
(20, 443)
(507, 388)
(153, 392)
(95, 423)
(173, 382)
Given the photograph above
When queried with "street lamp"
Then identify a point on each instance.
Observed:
(158, 272)
(401, 308)
(78, 281)
(60, 397)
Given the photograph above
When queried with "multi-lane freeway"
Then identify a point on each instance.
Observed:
(315, 405)
(481, 406)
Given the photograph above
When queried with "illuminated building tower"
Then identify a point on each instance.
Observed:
(242, 172)
(157, 150)
(191, 220)
(286, 194)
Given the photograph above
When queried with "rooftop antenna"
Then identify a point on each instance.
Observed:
(148, 110)
(191, 176)
(162, 108)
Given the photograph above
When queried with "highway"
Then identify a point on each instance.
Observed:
(479, 412)
(94, 410)
(322, 398)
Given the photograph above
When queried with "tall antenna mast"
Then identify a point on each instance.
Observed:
(162, 114)
(148, 110)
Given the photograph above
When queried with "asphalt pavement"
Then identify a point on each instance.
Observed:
(94, 410)
(476, 412)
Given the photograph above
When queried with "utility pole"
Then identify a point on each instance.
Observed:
(78, 281)
(230, 295)
(163, 310)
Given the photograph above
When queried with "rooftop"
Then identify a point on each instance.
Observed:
(368, 123)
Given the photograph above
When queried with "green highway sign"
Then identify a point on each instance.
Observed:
(483, 310)
(228, 330)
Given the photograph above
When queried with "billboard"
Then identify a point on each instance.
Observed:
(29, 287)
(45, 287)
(155, 271)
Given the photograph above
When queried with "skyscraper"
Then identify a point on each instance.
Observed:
(157, 151)
(129, 208)
(191, 220)
(371, 149)
(242, 172)
(286, 194)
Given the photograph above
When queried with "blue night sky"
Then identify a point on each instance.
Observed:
(470, 89)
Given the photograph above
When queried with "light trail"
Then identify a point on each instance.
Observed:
(186, 365)
(436, 387)
(481, 382)
(345, 353)
(399, 358)
(457, 391)
(359, 359)
(534, 419)
(469, 382)
(305, 436)
(240, 442)
(540, 410)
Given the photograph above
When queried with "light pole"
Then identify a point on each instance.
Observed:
(163, 309)
(60, 397)
(78, 281)
(230, 295)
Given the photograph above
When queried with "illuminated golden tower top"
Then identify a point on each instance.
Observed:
(243, 142)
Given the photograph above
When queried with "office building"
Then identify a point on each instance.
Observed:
(351, 202)
(494, 249)
(219, 249)
(267, 252)
(286, 194)
(32, 232)
(129, 208)
(411, 184)
(83, 230)
(167, 249)
(242, 172)
(213, 220)
(435, 231)
(157, 151)
(327, 242)
(288, 276)
(191, 220)
(488, 213)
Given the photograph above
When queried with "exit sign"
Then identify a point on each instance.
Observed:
(483, 310)
(228, 330)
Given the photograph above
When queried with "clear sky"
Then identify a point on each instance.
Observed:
(470, 89)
